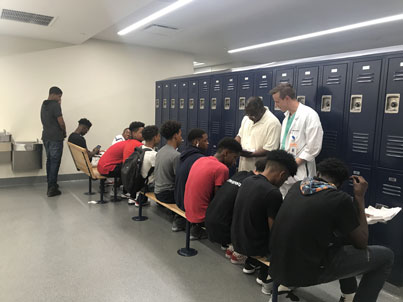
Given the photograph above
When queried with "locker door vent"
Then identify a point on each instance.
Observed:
(204, 125)
(392, 190)
(366, 77)
(398, 76)
(217, 87)
(333, 80)
(228, 129)
(307, 81)
(215, 127)
(230, 87)
(360, 142)
(330, 140)
(192, 123)
(246, 86)
(263, 84)
(394, 146)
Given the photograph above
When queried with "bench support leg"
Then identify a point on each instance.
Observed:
(89, 187)
(274, 294)
(187, 251)
(115, 190)
(102, 192)
(140, 201)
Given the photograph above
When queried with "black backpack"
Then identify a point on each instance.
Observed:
(131, 171)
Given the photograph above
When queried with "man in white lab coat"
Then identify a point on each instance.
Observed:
(301, 133)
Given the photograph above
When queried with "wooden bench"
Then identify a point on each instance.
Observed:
(83, 164)
(187, 251)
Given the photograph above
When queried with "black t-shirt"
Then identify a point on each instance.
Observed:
(50, 111)
(256, 201)
(219, 212)
(303, 231)
(78, 140)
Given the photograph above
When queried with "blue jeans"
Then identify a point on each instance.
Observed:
(54, 151)
(374, 263)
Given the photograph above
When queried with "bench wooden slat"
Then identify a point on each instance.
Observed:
(263, 260)
(173, 207)
(82, 161)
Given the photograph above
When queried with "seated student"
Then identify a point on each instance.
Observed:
(166, 162)
(219, 211)
(152, 138)
(122, 137)
(302, 241)
(136, 129)
(77, 137)
(198, 145)
(256, 206)
(206, 176)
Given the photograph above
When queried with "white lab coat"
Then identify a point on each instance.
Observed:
(304, 140)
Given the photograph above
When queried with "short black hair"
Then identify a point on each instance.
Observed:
(85, 122)
(195, 134)
(255, 104)
(55, 90)
(229, 143)
(260, 164)
(149, 132)
(285, 89)
(134, 126)
(282, 158)
(170, 128)
(334, 168)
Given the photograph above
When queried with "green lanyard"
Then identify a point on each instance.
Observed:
(287, 129)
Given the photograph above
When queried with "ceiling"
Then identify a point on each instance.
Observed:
(208, 28)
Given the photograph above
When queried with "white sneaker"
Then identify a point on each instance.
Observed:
(131, 201)
(347, 298)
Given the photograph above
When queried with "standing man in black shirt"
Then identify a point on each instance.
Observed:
(77, 137)
(53, 134)
(256, 206)
(304, 237)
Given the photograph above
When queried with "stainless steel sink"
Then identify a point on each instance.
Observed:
(26, 146)
(26, 155)
(5, 136)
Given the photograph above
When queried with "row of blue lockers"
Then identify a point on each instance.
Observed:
(357, 99)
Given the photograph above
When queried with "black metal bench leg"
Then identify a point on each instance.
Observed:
(102, 192)
(115, 190)
(140, 217)
(187, 251)
(274, 295)
(89, 187)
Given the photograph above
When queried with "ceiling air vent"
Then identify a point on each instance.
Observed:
(161, 30)
(14, 15)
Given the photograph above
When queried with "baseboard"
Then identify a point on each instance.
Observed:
(14, 181)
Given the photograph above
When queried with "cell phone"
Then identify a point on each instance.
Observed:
(98, 147)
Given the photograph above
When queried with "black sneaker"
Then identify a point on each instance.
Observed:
(197, 232)
(54, 192)
(250, 266)
(179, 224)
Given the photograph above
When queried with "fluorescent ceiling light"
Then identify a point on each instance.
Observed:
(154, 16)
(322, 33)
(198, 63)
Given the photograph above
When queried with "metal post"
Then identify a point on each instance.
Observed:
(140, 217)
(187, 251)
(89, 187)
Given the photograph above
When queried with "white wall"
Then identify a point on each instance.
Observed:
(111, 84)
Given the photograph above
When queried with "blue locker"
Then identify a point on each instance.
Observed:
(331, 108)
(281, 76)
(183, 109)
(364, 172)
(216, 104)
(203, 106)
(173, 104)
(165, 102)
(244, 92)
(192, 104)
(158, 103)
(263, 82)
(362, 111)
(389, 193)
(230, 106)
(391, 152)
(307, 86)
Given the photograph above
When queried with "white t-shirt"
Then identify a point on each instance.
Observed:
(118, 138)
(254, 136)
(148, 163)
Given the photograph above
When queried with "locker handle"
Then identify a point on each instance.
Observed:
(356, 103)
(301, 99)
(191, 103)
(326, 104)
(392, 103)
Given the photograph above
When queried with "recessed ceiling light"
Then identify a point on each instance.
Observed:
(322, 33)
(198, 63)
(154, 16)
